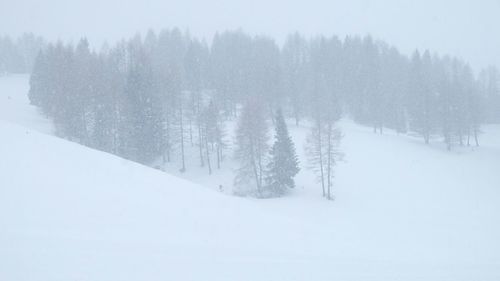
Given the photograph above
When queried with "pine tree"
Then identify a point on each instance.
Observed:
(38, 80)
(284, 164)
(422, 102)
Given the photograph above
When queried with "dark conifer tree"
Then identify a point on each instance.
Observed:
(284, 163)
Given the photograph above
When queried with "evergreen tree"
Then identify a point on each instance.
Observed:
(489, 83)
(422, 103)
(294, 59)
(284, 163)
(145, 99)
(38, 80)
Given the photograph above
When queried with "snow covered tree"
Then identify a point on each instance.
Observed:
(422, 101)
(39, 79)
(195, 64)
(229, 69)
(323, 153)
(393, 88)
(324, 139)
(489, 86)
(149, 99)
(212, 134)
(251, 149)
(83, 93)
(140, 126)
(284, 163)
(294, 59)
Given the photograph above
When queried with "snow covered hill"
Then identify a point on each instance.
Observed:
(14, 104)
(404, 211)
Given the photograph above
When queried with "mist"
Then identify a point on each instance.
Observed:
(462, 28)
(249, 140)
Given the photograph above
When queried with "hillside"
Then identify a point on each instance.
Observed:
(403, 211)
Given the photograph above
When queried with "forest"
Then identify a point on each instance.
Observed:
(148, 97)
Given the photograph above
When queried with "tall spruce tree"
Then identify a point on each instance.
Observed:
(284, 163)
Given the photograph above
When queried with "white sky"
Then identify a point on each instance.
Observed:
(469, 29)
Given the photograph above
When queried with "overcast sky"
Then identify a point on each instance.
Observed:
(468, 29)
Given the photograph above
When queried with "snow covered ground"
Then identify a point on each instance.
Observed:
(404, 211)
(14, 104)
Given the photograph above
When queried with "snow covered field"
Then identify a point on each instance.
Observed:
(403, 211)
(14, 104)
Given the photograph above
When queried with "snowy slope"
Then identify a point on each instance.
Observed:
(71, 213)
(14, 104)
(404, 211)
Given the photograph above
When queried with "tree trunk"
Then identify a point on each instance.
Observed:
(320, 152)
(329, 163)
(200, 144)
(259, 162)
(191, 132)
(468, 137)
(183, 169)
(200, 133)
(475, 137)
(218, 155)
(254, 167)
(208, 156)
(167, 144)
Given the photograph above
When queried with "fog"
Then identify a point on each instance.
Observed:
(467, 29)
(249, 140)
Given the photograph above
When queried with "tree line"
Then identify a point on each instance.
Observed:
(150, 97)
(18, 55)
